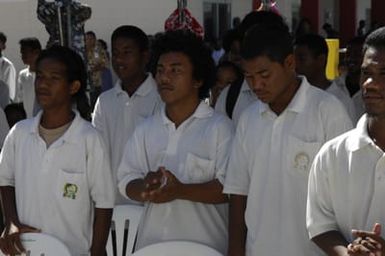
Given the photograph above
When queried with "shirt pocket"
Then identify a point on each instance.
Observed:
(198, 169)
(301, 155)
(71, 186)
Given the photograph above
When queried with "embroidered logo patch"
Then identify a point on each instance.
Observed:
(70, 190)
(301, 162)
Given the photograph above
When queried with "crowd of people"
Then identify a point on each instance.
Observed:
(253, 152)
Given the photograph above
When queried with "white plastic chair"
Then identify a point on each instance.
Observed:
(39, 244)
(124, 226)
(177, 248)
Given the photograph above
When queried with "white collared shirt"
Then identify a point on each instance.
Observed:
(58, 188)
(347, 185)
(116, 115)
(4, 128)
(345, 99)
(245, 99)
(270, 161)
(8, 75)
(195, 152)
(26, 91)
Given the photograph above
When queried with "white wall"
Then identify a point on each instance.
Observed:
(18, 18)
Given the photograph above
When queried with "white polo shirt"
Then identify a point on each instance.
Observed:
(195, 152)
(116, 115)
(347, 185)
(8, 75)
(4, 128)
(269, 163)
(345, 99)
(26, 91)
(245, 99)
(58, 188)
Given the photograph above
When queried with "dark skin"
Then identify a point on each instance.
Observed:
(367, 243)
(237, 226)
(180, 92)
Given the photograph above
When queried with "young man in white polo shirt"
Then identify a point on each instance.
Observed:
(347, 179)
(119, 110)
(275, 142)
(55, 174)
(175, 161)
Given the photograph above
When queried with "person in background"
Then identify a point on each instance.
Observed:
(133, 98)
(14, 112)
(4, 128)
(55, 174)
(311, 53)
(30, 49)
(7, 70)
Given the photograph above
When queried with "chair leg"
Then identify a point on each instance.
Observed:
(125, 236)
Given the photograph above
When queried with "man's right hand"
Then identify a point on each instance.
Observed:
(10, 243)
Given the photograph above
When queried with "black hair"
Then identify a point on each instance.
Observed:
(271, 40)
(3, 37)
(195, 49)
(316, 44)
(229, 64)
(75, 71)
(229, 38)
(261, 17)
(31, 43)
(133, 33)
(91, 33)
(376, 39)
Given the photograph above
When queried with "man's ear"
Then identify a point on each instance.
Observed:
(290, 62)
(75, 87)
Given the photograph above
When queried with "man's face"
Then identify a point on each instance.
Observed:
(29, 55)
(90, 41)
(2, 46)
(128, 60)
(174, 76)
(305, 62)
(51, 85)
(269, 80)
(373, 81)
(353, 58)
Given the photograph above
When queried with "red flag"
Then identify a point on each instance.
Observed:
(189, 22)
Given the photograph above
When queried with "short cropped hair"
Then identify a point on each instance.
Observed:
(3, 37)
(30, 42)
(271, 40)
(316, 44)
(133, 33)
(195, 49)
(91, 33)
(376, 39)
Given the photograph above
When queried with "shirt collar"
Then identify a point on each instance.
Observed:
(145, 88)
(202, 111)
(360, 137)
(297, 103)
(69, 135)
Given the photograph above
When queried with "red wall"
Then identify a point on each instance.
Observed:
(348, 24)
(309, 9)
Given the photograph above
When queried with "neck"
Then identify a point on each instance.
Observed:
(376, 128)
(280, 105)
(52, 119)
(32, 68)
(178, 113)
(130, 86)
(321, 82)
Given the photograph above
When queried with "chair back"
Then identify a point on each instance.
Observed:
(124, 226)
(39, 244)
(177, 248)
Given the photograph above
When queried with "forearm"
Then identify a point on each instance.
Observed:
(134, 190)
(101, 227)
(9, 204)
(237, 225)
(332, 243)
(209, 192)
